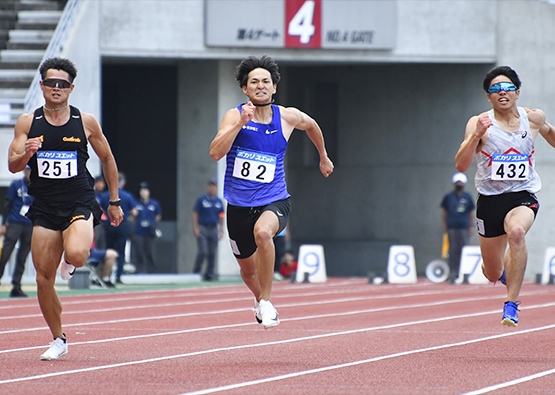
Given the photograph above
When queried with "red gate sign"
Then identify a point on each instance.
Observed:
(303, 23)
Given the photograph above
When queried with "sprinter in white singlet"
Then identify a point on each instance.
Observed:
(502, 140)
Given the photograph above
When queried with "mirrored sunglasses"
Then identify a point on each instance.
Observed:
(501, 86)
(56, 83)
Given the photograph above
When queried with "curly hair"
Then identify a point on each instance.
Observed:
(251, 63)
(58, 64)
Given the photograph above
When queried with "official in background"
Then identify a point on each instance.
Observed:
(458, 222)
(17, 227)
(116, 238)
(208, 219)
(145, 231)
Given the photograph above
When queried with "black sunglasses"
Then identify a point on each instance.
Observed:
(56, 83)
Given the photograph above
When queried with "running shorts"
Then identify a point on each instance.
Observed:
(241, 221)
(59, 216)
(491, 210)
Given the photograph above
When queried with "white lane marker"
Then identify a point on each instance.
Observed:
(300, 339)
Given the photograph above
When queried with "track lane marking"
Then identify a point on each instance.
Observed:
(305, 338)
(117, 299)
(510, 383)
(11, 303)
(361, 362)
(192, 314)
(366, 311)
(240, 299)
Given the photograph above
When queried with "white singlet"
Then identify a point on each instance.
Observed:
(506, 163)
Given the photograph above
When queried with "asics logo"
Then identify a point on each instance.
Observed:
(524, 134)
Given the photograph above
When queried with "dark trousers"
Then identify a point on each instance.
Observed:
(116, 237)
(15, 232)
(207, 244)
(279, 245)
(458, 238)
(143, 253)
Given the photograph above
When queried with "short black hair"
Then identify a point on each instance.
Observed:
(58, 64)
(501, 70)
(251, 63)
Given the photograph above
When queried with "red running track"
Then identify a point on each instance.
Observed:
(342, 337)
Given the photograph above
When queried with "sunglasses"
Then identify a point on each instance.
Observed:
(501, 86)
(56, 83)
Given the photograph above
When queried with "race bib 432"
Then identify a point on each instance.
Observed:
(510, 167)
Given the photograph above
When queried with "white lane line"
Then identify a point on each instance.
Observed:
(248, 299)
(118, 298)
(305, 317)
(240, 299)
(209, 290)
(301, 339)
(360, 362)
(510, 383)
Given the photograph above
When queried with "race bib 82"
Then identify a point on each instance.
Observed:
(254, 166)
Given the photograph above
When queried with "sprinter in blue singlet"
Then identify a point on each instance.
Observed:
(254, 137)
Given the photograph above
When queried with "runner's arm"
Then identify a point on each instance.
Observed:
(476, 128)
(22, 148)
(299, 120)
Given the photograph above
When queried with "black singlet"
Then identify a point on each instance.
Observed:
(58, 169)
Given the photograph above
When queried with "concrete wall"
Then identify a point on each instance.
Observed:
(400, 114)
(527, 43)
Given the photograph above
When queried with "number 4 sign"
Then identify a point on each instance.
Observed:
(303, 23)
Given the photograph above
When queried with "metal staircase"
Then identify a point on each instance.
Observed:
(26, 28)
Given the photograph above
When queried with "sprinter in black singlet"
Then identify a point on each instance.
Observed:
(53, 141)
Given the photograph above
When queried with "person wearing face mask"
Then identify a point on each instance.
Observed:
(457, 217)
(503, 142)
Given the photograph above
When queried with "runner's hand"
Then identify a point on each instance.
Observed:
(116, 215)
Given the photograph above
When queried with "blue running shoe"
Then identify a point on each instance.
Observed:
(502, 279)
(510, 315)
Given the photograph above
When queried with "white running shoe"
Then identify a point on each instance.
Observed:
(66, 270)
(57, 348)
(268, 314)
(257, 311)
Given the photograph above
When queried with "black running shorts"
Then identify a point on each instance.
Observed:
(59, 216)
(241, 221)
(492, 210)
